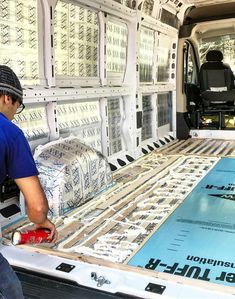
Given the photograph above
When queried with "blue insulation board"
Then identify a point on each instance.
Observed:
(198, 239)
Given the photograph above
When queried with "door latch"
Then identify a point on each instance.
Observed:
(101, 280)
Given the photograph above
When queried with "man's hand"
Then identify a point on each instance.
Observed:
(48, 225)
(37, 205)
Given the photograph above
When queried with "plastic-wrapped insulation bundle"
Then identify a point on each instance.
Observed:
(71, 173)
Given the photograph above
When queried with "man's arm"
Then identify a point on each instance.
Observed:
(37, 205)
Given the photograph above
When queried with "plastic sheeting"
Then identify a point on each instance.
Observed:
(71, 173)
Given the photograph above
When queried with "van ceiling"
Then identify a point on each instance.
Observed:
(209, 10)
(208, 2)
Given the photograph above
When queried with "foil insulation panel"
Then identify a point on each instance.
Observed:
(71, 173)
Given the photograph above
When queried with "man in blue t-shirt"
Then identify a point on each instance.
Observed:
(16, 162)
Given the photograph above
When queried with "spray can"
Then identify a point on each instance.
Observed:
(30, 237)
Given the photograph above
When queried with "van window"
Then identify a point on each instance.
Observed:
(189, 67)
(224, 43)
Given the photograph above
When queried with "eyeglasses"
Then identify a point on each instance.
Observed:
(20, 108)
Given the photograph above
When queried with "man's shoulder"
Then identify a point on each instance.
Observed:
(8, 128)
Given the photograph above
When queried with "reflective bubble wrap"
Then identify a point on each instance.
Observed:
(71, 173)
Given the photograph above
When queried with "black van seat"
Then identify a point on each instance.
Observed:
(216, 82)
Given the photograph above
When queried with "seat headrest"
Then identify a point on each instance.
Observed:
(214, 55)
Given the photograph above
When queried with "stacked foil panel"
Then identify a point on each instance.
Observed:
(19, 39)
(76, 38)
(71, 173)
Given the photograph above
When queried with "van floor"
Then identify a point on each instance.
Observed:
(208, 147)
(193, 241)
(111, 228)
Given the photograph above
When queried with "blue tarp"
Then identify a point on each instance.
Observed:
(198, 239)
